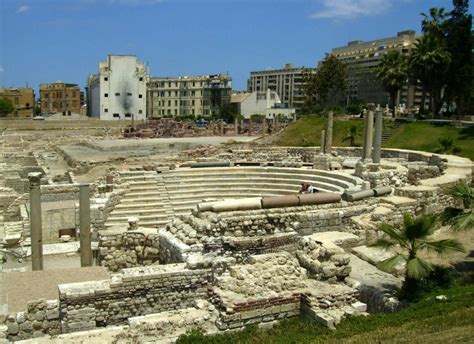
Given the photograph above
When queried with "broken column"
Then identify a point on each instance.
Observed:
(222, 128)
(85, 225)
(378, 136)
(236, 126)
(250, 126)
(328, 145)
(322, 149)
(368, 135)
(36, 229)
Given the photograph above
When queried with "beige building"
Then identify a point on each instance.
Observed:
(188, 95)
(60, 97)
(22, 98)
(362, 58)
(287, 82)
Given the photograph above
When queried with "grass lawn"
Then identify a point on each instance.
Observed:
(417, 136)
(428, 321)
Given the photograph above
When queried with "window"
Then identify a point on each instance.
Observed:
(175, 103)
(175, 93)
(169, 102)
(117, 94)
(27, 105)
(139, 96)
(128, 115)
(129, 94)
(193, 93)
(192, 111)
(192, 102)
(175, 111)
(116, 115)
(140, 111)
(106, 95)
(106, 79)
(106, 110)
(141, 79)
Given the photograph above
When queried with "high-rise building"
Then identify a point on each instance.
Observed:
(362, 59)
(118, 91)
(188, 95)
(60, 97)
(287, 82)
(22, 99)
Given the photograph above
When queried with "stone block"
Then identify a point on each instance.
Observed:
(324, 319)
(359, 306)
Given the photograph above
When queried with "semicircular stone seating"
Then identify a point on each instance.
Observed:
(154, 198)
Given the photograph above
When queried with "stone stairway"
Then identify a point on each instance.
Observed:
(387, 133)
(146, 199)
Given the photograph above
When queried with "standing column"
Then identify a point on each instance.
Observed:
(250, 126)
(222, 128)
(322, 149)
(368, 132)
(85, 225)
(36, 229)
(328, 145)
(236, 126)
(277, 124)
(378, 137)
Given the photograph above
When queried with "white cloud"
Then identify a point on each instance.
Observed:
(23, 8)
(348, 9)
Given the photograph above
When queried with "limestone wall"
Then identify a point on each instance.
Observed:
(120, 249)
(132, 292)
(40, 319)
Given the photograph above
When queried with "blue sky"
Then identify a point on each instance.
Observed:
(49, 40)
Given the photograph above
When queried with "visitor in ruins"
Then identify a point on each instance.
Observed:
(308, 188)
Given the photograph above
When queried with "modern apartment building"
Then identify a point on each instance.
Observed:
(60, 97)
(188, 95)
(22, 98)
(118, 91)
(287, 82)
(362, 58)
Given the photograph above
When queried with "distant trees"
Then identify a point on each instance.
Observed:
(441, 61)
(393, 73)
(329, 81)
(6, 107)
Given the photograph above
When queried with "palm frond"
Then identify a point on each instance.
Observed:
(443, 246)
(463, 221)
(418, 268)
(393, 233)
(389, 264)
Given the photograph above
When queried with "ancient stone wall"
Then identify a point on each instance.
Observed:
(132, 292)
(40, 319)
(120, 249)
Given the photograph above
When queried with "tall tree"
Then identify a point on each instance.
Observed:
(329, 82)
(6, 107)
(408, 242)
(461, 69)
(429, 62)
(392, 72)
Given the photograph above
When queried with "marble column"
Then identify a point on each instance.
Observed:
(222, 128)
(368, 135)
(328, 145)
(378, 136)
(236, 126)
(85, 225)
(250, 126)
(322, 144)
(36, 227)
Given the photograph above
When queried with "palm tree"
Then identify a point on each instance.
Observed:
(408, 241)
(462, 219)
(447, 146)
(351, 135)
(429, 62)
(435, 23)
(392, 72)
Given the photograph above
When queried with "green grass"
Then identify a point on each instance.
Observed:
(427, 321)
(425, 137)
(306, 132)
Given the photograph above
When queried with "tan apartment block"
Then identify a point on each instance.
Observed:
(60, 97)
(22, 98)
(188, 95)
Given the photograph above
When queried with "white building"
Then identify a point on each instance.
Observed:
(262, 103)
(119, 90)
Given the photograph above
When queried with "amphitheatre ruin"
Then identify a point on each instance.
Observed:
(107, 238)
